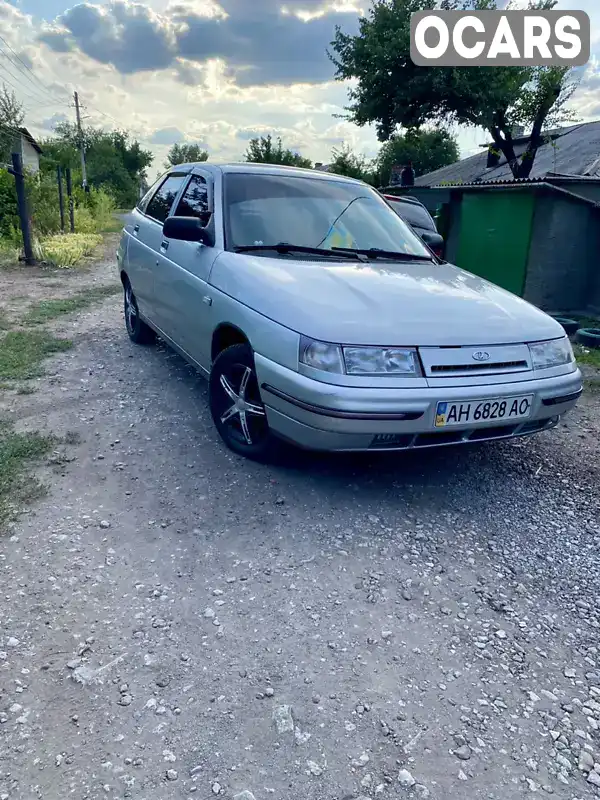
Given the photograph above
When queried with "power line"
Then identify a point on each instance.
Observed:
(11, 128)
(37, 100)
(10, 65)
(30, 71)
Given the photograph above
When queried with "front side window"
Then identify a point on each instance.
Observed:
(159, 207)
(143, 203)
(311, 212)
(194, 202)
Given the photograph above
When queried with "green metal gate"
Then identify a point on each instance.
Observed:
(495, 234)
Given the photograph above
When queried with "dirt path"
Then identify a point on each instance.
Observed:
(178, 623)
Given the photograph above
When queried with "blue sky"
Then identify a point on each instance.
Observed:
(44, 9)
(214, 71)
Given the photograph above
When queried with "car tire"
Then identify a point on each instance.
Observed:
(236, 405)
(589, 337)
(138, 331)
(570, 326)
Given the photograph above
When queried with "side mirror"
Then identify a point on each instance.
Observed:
(187, 229)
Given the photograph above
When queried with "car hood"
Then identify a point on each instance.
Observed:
(381, 303)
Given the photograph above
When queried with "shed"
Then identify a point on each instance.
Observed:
(26, 146)
(573, 151)
(538, 238)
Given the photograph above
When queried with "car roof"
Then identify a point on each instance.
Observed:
(249, 167)
(402, 198)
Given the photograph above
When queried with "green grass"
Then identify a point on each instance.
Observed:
(588, 322)
(22, 352)
(115, 225)
(67, 249)
(47, 310)
(17, 451)
(588, 356)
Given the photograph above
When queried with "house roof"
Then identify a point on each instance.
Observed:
(26, 135)
(572, 151)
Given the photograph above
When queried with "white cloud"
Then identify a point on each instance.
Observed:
(220, 101)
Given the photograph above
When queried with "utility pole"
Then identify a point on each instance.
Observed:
(81, 144)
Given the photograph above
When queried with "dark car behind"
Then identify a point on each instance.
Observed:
(417, 216)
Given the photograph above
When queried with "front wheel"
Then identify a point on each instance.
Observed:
(236, 405)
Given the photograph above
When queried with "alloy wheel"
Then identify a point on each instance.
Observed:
(241, 411)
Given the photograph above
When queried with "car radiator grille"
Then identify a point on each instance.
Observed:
(497, 366)
(410, 441)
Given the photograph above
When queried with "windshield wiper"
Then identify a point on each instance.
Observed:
(283, 248)
(375, 252)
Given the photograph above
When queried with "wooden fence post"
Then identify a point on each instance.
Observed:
(70, 196)
(17, 172)
(61, 199)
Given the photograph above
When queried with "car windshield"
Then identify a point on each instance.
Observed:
(311, 212)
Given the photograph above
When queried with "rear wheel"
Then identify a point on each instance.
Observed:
(138, 331)
(236, 405)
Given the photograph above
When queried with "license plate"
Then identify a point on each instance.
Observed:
(479, 412)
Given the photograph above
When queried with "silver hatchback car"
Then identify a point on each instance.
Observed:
(320, 318)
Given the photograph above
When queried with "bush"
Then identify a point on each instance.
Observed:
(42, 198)
(67, 249)
(9, 218)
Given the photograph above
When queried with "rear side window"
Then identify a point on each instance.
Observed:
(414, 215)
(158, 208)
(194, 202)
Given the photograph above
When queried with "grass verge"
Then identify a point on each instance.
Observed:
(47, 310)
(22, 352)
(17, 451)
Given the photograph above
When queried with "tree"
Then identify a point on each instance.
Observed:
(115, 162)
(185, 154)
(426, 150)
(345, 162)
(11, 118)
(266, 151)
(391, 91)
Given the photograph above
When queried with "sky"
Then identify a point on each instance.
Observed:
(216, 72)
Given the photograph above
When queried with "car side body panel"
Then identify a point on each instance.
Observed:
(190, 293)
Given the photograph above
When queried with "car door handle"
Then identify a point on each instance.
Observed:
(164, 246)
(136, 228)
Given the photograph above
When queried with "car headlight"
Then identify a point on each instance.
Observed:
(556, 353)
(381, 361)
(321, 355)
(359, 360)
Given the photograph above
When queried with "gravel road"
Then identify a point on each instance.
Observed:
(176, 622)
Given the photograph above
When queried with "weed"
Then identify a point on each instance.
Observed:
(68, 249)
(21, 353)
(588, 356)
(17, 451)
(46, 310)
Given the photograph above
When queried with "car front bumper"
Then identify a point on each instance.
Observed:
(322, 416)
